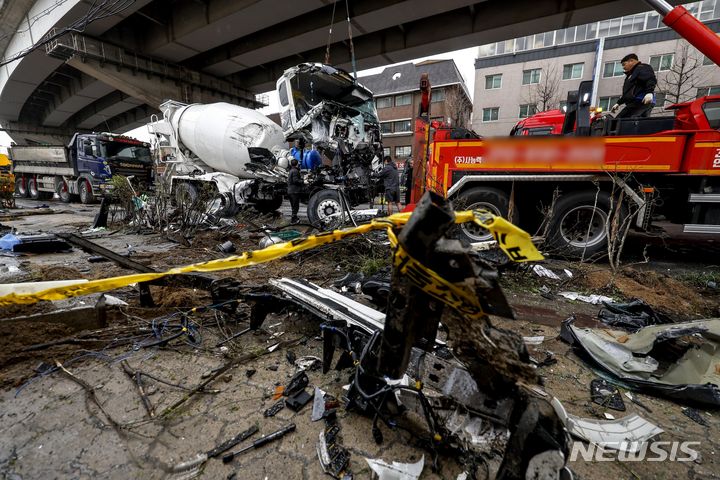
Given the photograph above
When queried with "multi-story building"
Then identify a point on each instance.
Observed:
(397, 97)
(518, 77)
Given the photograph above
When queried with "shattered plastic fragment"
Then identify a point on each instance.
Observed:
(626, 434)
(593, 299)
(396, 471)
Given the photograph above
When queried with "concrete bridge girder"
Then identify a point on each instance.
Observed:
(18, 79)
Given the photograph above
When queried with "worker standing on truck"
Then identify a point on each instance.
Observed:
(294, 189)
(391, 181)
(638, 88)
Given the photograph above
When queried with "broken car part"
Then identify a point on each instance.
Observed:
(631, 316)
(678, 361)
(260, 442)
(334, 458)
(494, 360)
(272, 411)
(396, 470)
(298, 400)
(606, 395)
(627, 434)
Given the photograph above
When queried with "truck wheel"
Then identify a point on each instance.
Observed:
(482, 198)
(21, 189)
(33, 189)
(578, 227)
(322, 205)
(61, 187)
(185, 194)
(86, 195)
(267, 206)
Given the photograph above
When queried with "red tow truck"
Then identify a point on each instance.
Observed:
(588, 175)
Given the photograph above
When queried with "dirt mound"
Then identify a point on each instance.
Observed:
(658, 290)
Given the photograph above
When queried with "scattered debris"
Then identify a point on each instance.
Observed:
(334, 458)
(627, 434)
(541, 271)
(534, 340)
(593, 299)
(678, 360)
(272, 411)
(226, 247)
(396, 470)
(606, 395)
(631, 316)
(695, 416)
(308, 362)
(260, 442)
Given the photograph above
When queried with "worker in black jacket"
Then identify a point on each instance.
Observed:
(294, 189)
(391, 181)
(637, 94)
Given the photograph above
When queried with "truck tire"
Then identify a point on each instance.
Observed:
(578, 226)
(61, 187)
(267, 206)
(86, 195)
(322, 204)
(21, 189)
(481, 198)
(185, 194)
(33, 189)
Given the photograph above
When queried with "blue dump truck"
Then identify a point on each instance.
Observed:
(82, 169)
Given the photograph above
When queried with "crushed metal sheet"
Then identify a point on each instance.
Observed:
(541, 271)
(333, 304)
(396, 470)
(627, 434)
(676, 360)
(593, 299)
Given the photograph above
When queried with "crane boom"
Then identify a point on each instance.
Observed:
(690, 28)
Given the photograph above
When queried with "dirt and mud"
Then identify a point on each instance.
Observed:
(51, 429)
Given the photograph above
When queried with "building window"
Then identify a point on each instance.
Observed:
(384, 102)
(438, 95)
(403, 152)
(493, 81)
(661, 63)
(701, 92)
(386, 127)
(386, 152)
(491, 114)
(613, 69)
(653, 21)
(402, 126)
(405, 99)
(572, 71)
(632, 23)
(527, 109)
(531, 76)
(607, 102)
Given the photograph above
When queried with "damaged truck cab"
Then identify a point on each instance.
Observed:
(325, 107)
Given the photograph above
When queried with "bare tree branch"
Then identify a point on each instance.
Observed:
(457, 107)
(546, 94)
(678, 83)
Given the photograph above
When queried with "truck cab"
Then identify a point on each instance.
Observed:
(83, 168)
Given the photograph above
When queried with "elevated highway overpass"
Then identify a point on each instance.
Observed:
(110, 73)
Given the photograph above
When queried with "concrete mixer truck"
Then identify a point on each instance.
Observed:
(225, 149)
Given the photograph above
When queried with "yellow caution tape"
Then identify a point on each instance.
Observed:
(512, 240)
